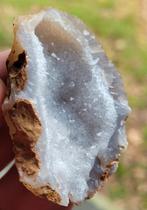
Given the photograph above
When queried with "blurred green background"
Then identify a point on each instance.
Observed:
(121, 27)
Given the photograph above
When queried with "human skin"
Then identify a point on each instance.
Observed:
(13, 195)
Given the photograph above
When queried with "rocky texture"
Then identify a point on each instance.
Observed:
(65, 108)
(25, 129)
(45, 191)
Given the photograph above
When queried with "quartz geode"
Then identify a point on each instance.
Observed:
(65, 107)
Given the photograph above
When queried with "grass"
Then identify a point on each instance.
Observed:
(117, 27)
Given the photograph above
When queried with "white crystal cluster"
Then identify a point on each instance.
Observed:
(79, 98)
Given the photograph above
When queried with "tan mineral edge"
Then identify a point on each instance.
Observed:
(22, 120)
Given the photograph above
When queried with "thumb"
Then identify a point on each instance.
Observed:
(2, 96)
(6, 154)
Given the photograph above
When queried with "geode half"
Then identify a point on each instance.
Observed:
(65, 108)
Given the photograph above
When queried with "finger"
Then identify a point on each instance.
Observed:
(3, 58)
(2, 96)
(6, 153)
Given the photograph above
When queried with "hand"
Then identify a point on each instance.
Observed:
(13, 195)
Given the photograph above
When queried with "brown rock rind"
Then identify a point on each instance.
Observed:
(17, 72)
(25, 129)
(46, 192)
(16, 66)
(108, 170)
(24, 124)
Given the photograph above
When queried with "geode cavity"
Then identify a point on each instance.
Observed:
(65, 107)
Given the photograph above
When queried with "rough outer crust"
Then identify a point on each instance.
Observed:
(25, 129)
(16, 66)
(46, 192)
(24, 124)
(108, 170)
(104, 175)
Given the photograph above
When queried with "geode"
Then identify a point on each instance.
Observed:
(65, 108)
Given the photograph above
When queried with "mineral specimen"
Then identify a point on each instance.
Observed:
(65, 107)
